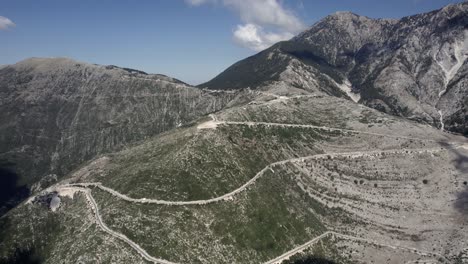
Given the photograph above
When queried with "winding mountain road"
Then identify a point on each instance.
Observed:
(229, 196)
(144, 254)
(83, 187)
(94, 207)
(212, 124)
(303, 247)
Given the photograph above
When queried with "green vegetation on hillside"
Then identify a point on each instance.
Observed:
(190, 165)
(269, 217)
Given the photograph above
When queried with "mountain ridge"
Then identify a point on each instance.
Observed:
(406, 67)
(292, 166)
(60, 113)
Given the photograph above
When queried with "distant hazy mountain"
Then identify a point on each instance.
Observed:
(58, 113)
(415, 67)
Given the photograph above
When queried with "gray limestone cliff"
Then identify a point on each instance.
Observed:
(415, 67)
(59, 113)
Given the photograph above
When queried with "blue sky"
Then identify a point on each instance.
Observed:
(192, 40)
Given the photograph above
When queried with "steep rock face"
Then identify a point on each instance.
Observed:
(414, 67)
(318, 55)
(59, 113)
(418, 71)
(337, 38)
(285, 64)
(256, 181)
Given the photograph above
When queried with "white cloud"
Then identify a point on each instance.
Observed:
(5, 23)
(266, 13)
(254, 37)
(265, 21)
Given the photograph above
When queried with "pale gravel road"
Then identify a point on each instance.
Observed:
(303, 247)
(229, 196)
(215, 122)
(94, 207)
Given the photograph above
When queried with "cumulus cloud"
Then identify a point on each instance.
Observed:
(5, 23)
(266, 12)
(265, 22)
(254, 37)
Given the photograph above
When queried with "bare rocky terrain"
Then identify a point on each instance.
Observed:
(414, 67)
(59, 113)
(347, 185)
(294, 168)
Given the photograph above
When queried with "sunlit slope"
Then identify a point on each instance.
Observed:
(254, 182)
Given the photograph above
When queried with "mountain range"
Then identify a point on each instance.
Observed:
(345, 144)
(413, 67)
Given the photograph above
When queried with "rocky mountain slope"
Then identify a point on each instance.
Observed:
(59, 113)
(414, 67)
(292, 170)
(286, 177)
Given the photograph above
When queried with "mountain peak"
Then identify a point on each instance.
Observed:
(455, 10)
(365, 51)
(47, 62)
(457, 6)
(345, 15)
(41, 60)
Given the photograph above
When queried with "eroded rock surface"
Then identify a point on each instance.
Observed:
(59, 113)
(413, 67)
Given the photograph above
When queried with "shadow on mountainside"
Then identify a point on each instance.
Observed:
(313, 260)
(461, 160)
(461, 202)
(461, 164)
(21, 253)
(10, 193)
(22, 256)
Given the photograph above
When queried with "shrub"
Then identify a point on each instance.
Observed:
(425, 181)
